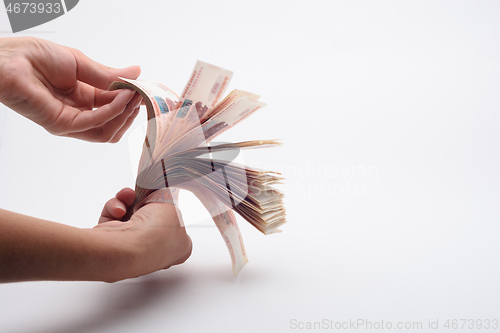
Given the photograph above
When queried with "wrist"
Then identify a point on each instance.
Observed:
(116, 256)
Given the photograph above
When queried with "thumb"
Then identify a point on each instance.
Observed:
(131, 72)
(98, 75)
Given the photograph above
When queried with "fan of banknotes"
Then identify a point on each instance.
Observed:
(179, 153)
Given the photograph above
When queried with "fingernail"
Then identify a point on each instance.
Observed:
(120, 208)
(126, 67)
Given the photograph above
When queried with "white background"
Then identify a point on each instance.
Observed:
(389, 111)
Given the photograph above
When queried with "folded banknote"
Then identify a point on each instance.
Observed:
(179, 153)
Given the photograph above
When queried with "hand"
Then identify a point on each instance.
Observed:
(33, 249)
(58, 88)
(154, 234)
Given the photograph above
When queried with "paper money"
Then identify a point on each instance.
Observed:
(177, 154)
(207, 84)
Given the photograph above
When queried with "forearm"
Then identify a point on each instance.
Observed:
(33, 249)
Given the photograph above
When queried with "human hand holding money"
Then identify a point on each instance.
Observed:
(154, 238)
(177, 154)
(62, 90)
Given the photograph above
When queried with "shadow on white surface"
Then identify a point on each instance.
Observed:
(123, 303)
(120, 303)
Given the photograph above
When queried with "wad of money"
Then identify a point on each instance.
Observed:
(179, 153)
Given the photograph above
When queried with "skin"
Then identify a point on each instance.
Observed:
(58, 88)
(63, 91)
(32, 249)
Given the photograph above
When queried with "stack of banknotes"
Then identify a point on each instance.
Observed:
(179, 153)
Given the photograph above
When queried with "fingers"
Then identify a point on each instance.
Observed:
(72, 120)
(103, 97)
(115, 208)
(123, 121)
(126, 195)
(118, 136)
(114, 129)
(98, 75)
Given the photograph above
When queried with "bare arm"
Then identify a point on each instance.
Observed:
(34, 249)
